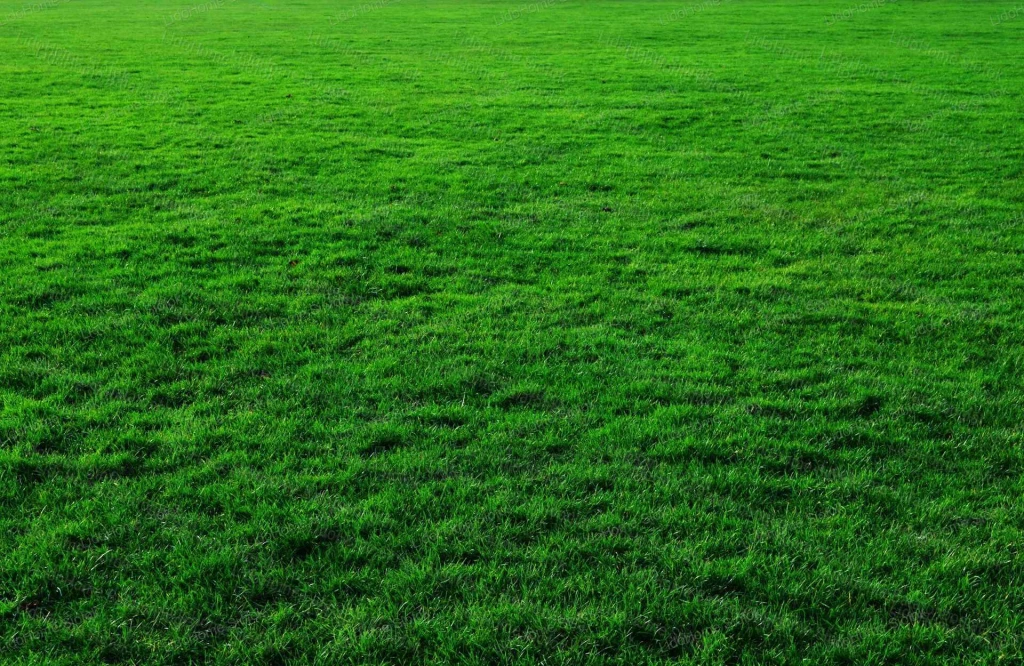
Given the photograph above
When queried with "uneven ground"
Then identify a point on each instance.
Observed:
(436, 331)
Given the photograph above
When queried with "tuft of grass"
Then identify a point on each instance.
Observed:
(482, 332)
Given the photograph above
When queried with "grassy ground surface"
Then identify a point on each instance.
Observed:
(483, 332)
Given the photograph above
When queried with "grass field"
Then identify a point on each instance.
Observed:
(485, 332)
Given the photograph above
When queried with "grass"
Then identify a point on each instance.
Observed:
(480, 332)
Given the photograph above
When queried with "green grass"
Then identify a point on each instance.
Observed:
(437, 331)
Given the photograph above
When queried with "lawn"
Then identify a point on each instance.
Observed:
(487, 332)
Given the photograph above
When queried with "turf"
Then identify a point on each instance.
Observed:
(479, 332)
